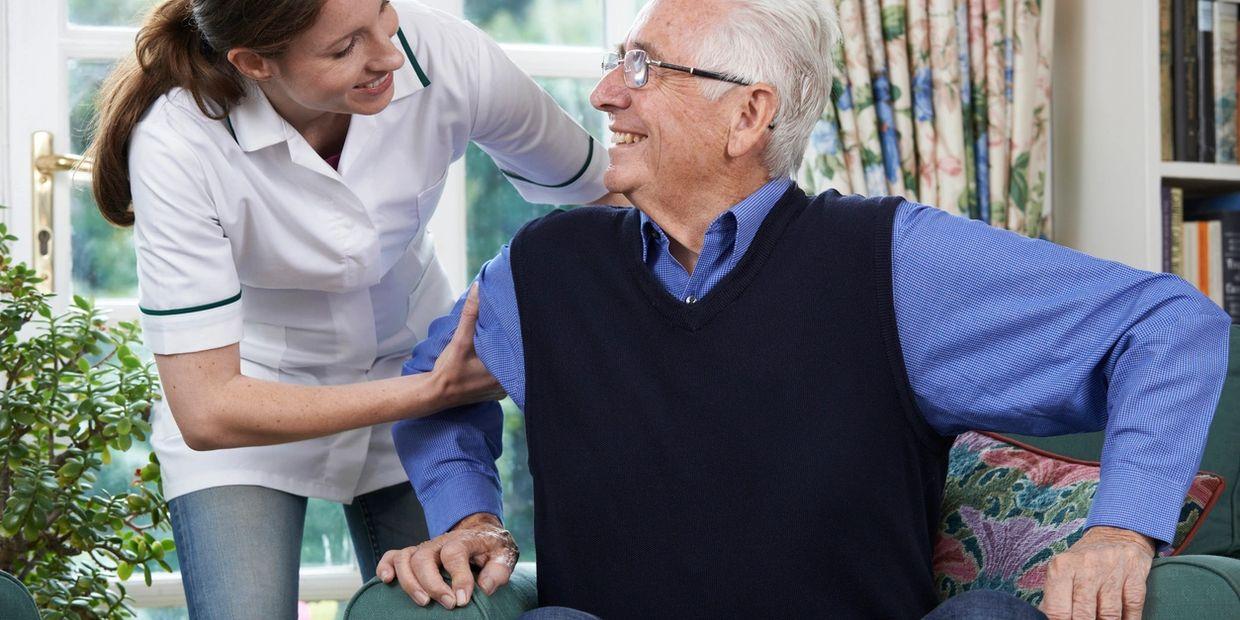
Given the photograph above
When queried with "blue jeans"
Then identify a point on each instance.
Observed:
(240, 546)
(971, 605)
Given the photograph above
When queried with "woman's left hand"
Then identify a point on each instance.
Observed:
(459, 375)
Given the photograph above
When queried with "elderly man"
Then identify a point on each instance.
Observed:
(739, 399)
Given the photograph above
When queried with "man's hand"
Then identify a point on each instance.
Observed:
(1101, 576)
(478, 538)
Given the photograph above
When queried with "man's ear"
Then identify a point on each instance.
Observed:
(752, 122)
(251, 64)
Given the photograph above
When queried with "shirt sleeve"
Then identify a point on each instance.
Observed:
(1010, 334)
(450, 457)
(544, 153)
(189, 292)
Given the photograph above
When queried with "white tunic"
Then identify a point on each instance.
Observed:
(244, 234)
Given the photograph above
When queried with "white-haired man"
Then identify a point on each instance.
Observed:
(739, 398)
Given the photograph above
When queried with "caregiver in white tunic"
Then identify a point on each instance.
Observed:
(316, 268)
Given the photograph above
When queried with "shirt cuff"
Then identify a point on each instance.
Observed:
(201, 330)
(1137, 501)
(459, 497)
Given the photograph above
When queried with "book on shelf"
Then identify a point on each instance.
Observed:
(1231, 264)
(1184, 79)
(1225, 62)
(1199, 93)
(1205, 81)
(1208, 256)
(1164, 89)
(1173, 229)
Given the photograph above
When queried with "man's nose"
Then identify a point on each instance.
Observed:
(610, 93)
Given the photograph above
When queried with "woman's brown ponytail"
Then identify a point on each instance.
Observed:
(183, 43)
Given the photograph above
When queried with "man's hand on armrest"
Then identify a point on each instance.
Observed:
(479, 539)
(1101, 576)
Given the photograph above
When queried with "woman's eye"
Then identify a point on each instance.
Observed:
(345, 52)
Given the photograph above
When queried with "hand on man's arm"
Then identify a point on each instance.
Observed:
(1101, 576)
(479, 539)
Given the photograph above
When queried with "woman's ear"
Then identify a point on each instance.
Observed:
(251, 64)
(754, 120)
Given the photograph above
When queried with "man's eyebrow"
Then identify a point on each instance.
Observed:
(649, 49)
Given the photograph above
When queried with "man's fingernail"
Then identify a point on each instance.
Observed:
(421, 599)
(485, 584)
(447, 601)
(461, 597)
(384, 575)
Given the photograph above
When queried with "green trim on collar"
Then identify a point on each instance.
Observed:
(216, 304)
(412, 60)
(233, 132)
(584, 168)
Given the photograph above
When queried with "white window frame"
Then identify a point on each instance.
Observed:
(5, 195)
(448, 225)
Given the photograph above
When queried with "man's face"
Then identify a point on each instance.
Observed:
(667, 134)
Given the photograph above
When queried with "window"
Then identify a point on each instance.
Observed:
(559, 42)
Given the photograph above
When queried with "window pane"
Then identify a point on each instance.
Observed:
(325, 540)
(103, 258)
(108, 12)
(553, 22)
(495, 213)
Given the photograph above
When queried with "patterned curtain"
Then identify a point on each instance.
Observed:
(945, 102)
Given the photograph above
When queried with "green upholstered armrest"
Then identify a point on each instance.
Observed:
(379, 601)
(1193, 586)
(1190, 586)
(15, 601)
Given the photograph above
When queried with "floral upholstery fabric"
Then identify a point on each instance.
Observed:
(1008, 508)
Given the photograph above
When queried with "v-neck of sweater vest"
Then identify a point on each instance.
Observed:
(695, 316)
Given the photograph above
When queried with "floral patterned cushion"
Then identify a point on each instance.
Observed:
(1008, 507)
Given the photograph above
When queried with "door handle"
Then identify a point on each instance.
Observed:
(45, 163)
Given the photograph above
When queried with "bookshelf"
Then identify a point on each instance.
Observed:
(1107, 153)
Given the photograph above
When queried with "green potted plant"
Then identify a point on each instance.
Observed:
(74, 394)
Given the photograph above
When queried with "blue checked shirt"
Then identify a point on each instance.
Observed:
(999, 333)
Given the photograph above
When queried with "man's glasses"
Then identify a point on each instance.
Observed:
(637, 68)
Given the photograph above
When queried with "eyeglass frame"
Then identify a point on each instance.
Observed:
(616, 59)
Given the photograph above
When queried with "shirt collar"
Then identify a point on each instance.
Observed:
(747, 214)
(256, 124)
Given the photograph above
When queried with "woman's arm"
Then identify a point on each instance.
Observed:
(216, 406)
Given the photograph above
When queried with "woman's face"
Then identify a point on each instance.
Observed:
(345, 62)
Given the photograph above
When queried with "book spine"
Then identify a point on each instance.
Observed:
(1164, 89)
(1225, 82)
(1190, 254)
(1214, 230)
(1205, 81)
(1165, 212)
(1184, 76)
(1231, 264)
(1177, 231)
(1202, 230)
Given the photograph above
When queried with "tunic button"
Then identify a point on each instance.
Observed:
(691, 299)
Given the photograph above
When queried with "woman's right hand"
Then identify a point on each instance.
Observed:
(459, 375)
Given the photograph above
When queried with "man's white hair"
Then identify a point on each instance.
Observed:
(787, 44)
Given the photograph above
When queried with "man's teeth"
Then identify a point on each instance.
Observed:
(374, 83)
(626, 138)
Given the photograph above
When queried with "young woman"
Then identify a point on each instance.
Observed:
(282, 159)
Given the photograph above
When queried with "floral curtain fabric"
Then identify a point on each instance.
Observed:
(945, 102)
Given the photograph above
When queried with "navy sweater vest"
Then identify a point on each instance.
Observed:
(755, 454)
